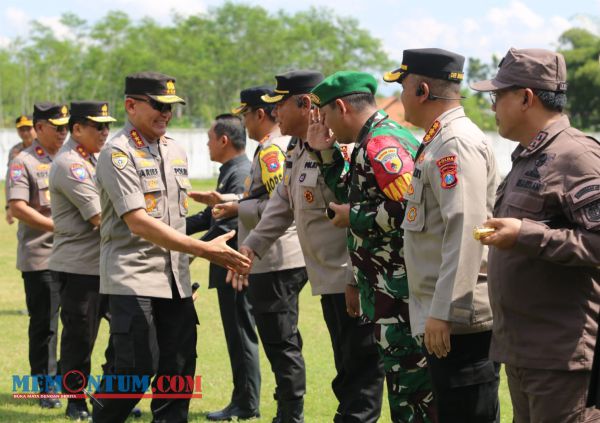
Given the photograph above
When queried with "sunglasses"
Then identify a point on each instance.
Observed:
(99, 126)
(156, 105)
(58, 128)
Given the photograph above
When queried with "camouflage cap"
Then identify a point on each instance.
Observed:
(528, 68)
(341, 84)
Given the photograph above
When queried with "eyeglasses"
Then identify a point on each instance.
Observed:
(495, 94)
(156, 105)
(99, 126)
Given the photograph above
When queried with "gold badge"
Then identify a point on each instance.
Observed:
(119, 160)
(308, 196)
(64, 111)
(104, 110)
(39, 151)
(150, 200)
(170, 87)
(411, 215)
(314, 98)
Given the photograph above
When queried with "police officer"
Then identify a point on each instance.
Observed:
(227, 145)
(544, 257)
(371, 192)
(76, 251)
(303, 196)
(452, 190)
(29, 201)
(141, 176)
(279, 275)
(24, 125)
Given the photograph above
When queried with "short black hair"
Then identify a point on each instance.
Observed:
(232, 126)
(358, 101)
(554, 101)
(268, 108)
(440, 87)
(74, 120)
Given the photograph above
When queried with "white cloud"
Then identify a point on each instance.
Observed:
(4, 42)
(516, 12)
(17, 19)
(159, 10)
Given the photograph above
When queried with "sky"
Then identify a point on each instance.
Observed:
(473, 29)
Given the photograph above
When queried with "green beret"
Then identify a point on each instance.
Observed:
(341, 84)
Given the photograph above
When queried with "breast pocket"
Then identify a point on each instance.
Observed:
(153, 196)
(43, 192)
(311, 196)
(525, 205)
(414, 218)
(184, 185)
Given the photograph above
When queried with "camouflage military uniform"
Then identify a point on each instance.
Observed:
(374, 186)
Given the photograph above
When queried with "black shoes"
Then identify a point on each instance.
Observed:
(50, 403)
(77, 410)
(231, 411)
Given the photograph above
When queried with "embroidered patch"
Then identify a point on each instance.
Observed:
(302, 177)
(16, 171)
(308, 196)
(178, 162)
(141, 154)
(585, 190)
(39, 151)
(448, 170)
(411, 214)
(271, 160)
(152, 183)
(390, 160)
(150, 200)
(432, 132)
(78, 171)
(43, 167)
(137, 140)
(592, 212)
(119, 160)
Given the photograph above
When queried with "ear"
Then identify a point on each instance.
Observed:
(422, 92)
(306, 103)
(528, 97)
(341, 106)
(38, 127)
(129, 105)
(260, 114)
(77, 129)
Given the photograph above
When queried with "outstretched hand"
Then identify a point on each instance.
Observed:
(239, 280)
(217, 251)
(210, 198)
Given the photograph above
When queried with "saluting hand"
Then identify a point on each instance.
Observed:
(437, 337)
(342, 214)
(506, 233)
(210, 198)
(318, 136)
(237, 280)
(217, 251)
(225, 210)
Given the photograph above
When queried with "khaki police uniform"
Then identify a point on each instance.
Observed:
(28, 181)
(153, 319)
(75, 260)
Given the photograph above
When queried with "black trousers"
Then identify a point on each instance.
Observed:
(150, 336)
(465, 382)
(81, 308)
(274, 300)
(242, 345)
(43, 299)
(358, 384)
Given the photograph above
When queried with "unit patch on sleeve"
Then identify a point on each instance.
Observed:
(119, 160)
(78, 171)
(448, 171)
(16, 171)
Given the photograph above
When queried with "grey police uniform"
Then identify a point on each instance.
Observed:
(75, 260)
(453, 188)
(152, 313)
(28, 181)
(303, 197)
(135, 174)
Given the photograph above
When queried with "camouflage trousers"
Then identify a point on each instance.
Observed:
(407, 379)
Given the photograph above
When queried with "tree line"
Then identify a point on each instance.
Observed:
(216, 54)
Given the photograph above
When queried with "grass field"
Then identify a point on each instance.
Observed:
(212, 362)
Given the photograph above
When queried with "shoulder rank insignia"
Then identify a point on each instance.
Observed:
(137, 140)
(119, 160)
(39, 151)
(432, 132)
(448, 170)
(82, 152)
(78, 171)
(539, 138)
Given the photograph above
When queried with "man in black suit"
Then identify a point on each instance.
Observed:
(226, 145)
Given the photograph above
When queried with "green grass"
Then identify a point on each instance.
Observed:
(212, 364)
